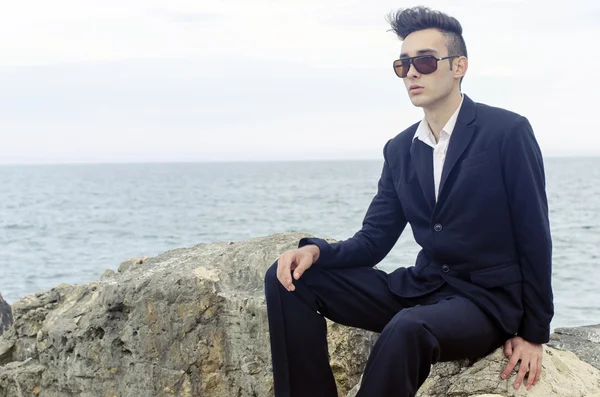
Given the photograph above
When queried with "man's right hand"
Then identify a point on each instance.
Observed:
(299, 260)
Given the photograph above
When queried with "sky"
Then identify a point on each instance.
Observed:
(271, 80)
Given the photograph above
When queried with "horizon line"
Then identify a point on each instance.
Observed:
(316, 160)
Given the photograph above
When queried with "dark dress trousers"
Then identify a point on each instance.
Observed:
(483, 273)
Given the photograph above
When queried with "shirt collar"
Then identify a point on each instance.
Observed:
(424, 133)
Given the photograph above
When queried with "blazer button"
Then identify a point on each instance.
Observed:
(445, 268)
(437, 227)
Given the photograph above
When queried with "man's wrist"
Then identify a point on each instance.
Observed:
(314, 250)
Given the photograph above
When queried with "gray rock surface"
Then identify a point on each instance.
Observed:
(189, 322)
(583, 341)
(563, 375)
(5, 315)
(192, 322)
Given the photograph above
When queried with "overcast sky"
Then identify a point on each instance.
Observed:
(145, 80)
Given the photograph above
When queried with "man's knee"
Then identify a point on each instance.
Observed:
(406, 324)
(271, 274)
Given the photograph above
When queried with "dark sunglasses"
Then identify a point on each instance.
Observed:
(424, 64)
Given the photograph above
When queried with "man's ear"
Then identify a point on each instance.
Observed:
(461, 66)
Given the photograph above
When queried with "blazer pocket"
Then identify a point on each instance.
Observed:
(475, 160)
(497, 276)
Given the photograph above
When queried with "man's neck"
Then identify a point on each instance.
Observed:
(439, 113)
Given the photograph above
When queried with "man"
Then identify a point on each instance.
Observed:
(470, 180)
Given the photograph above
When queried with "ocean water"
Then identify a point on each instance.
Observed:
(69, 223)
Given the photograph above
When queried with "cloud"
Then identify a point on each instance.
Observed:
(187, 17)
(269, 80)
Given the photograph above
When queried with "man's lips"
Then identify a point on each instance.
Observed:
(415, 88)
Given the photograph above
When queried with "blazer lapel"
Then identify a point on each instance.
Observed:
(422, 158)
(460, 139)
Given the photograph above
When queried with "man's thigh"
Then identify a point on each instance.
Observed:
(357, 297)
(462, 329)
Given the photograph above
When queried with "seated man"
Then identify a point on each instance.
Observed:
(470, 180)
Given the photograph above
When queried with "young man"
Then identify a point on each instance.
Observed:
(470, 180)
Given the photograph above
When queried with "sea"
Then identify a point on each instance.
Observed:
(70, 223)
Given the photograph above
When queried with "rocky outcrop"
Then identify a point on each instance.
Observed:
(5, 315)
(563, 375)
(189, 322)
(192, 322)
(583, 341)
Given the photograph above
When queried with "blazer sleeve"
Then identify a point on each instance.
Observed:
(381, 228)
(525, 184)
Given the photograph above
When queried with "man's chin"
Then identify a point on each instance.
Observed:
(418, 100)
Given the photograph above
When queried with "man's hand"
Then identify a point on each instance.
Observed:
(530, 354)
(298, 260)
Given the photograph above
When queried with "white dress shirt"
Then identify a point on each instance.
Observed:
(425, 135)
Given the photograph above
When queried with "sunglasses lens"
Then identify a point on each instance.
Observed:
(401, 68)
(426, 64)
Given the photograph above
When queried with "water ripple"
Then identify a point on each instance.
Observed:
(69, 223)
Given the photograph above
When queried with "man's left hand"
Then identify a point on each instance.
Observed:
(530, 354)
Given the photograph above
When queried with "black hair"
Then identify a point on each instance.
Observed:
(408, 20)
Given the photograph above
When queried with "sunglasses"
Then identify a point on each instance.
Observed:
(425, 64)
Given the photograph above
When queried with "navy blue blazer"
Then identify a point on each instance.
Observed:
(488, 234)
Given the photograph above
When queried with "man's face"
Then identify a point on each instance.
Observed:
(425, 90)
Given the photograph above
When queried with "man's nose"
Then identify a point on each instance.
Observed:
(412, 72)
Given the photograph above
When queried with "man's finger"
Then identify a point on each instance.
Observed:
(304, 264)
(283, 273)
(521, 374)
(510, 366)
(533, 371)
(508, 348)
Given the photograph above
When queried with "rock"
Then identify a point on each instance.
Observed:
(189, 322)
(192, 322)
(123, 267)
(5, 315)
(583, 341)
(488, 395)
(109, 273)
(563, 375)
